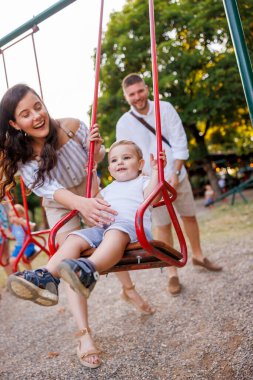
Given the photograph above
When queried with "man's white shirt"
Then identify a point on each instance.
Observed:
(129, 128)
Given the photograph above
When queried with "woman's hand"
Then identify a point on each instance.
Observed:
(94, 135)
(96, 211)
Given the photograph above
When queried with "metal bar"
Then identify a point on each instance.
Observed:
(37, 64)
(5, 69)
(241, 52)
(95, 101)
(156, 90)
(35, 20)
(17, 41)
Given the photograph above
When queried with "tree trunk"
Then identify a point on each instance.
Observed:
(203, 156)
(212, 178)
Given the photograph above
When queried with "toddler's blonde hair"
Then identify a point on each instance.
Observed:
(127, 142)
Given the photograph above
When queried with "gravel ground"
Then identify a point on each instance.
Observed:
(203, 334)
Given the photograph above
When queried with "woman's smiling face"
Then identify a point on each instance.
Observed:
(31, 117)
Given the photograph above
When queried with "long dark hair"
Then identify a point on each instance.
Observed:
(16, 147)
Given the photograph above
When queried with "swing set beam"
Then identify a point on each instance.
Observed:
(35, 21)
(241, 51)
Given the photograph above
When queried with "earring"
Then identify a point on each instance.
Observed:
(24, 134)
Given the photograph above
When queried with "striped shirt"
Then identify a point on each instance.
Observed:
(72, 158)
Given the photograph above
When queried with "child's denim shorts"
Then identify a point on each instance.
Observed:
(94, 235)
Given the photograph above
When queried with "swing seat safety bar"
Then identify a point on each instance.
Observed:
(169, 194)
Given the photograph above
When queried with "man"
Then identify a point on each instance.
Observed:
(131, 128)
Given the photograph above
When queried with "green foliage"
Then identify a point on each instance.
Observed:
(198, 73)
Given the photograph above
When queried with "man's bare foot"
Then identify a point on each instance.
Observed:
(130, 295)
(87, 351)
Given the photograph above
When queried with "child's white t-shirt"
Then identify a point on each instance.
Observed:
(126, 197)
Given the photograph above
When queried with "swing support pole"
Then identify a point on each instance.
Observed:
(35, 20)
(241, 52)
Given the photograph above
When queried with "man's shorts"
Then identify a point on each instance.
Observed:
(184, 205)
(95, 235)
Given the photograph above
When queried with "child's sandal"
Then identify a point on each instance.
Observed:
(84, 355)
(143, 308)
(80, 274)
(38, 286)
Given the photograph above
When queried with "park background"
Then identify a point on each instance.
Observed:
(205, 334)
(197, 67)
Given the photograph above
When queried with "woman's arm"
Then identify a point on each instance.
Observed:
(90, 208)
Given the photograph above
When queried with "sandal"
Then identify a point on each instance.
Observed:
(80, 274)
(86, 354)
(143, 308)
(38, 286)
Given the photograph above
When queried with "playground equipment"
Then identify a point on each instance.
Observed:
(145, 254)
(2, 246)
(235, 190)
(35, 237)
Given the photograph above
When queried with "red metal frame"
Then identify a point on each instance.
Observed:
(4, 240)
(64, 220)
(168, 192)
(29, 235)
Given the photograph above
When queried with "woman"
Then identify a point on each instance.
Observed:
(50, 155)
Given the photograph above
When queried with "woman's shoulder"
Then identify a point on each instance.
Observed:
(70, 123)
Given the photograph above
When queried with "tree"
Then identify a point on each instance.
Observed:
(198, 73)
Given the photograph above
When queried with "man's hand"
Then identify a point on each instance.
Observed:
(174, 180)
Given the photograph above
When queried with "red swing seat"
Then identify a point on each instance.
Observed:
(135, 257)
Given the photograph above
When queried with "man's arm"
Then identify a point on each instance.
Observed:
(174, 179)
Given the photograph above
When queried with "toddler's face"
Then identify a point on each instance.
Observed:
(12, 215)
(124, 163)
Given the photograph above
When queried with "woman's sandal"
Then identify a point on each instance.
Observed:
(86, 354)
(143, 308)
